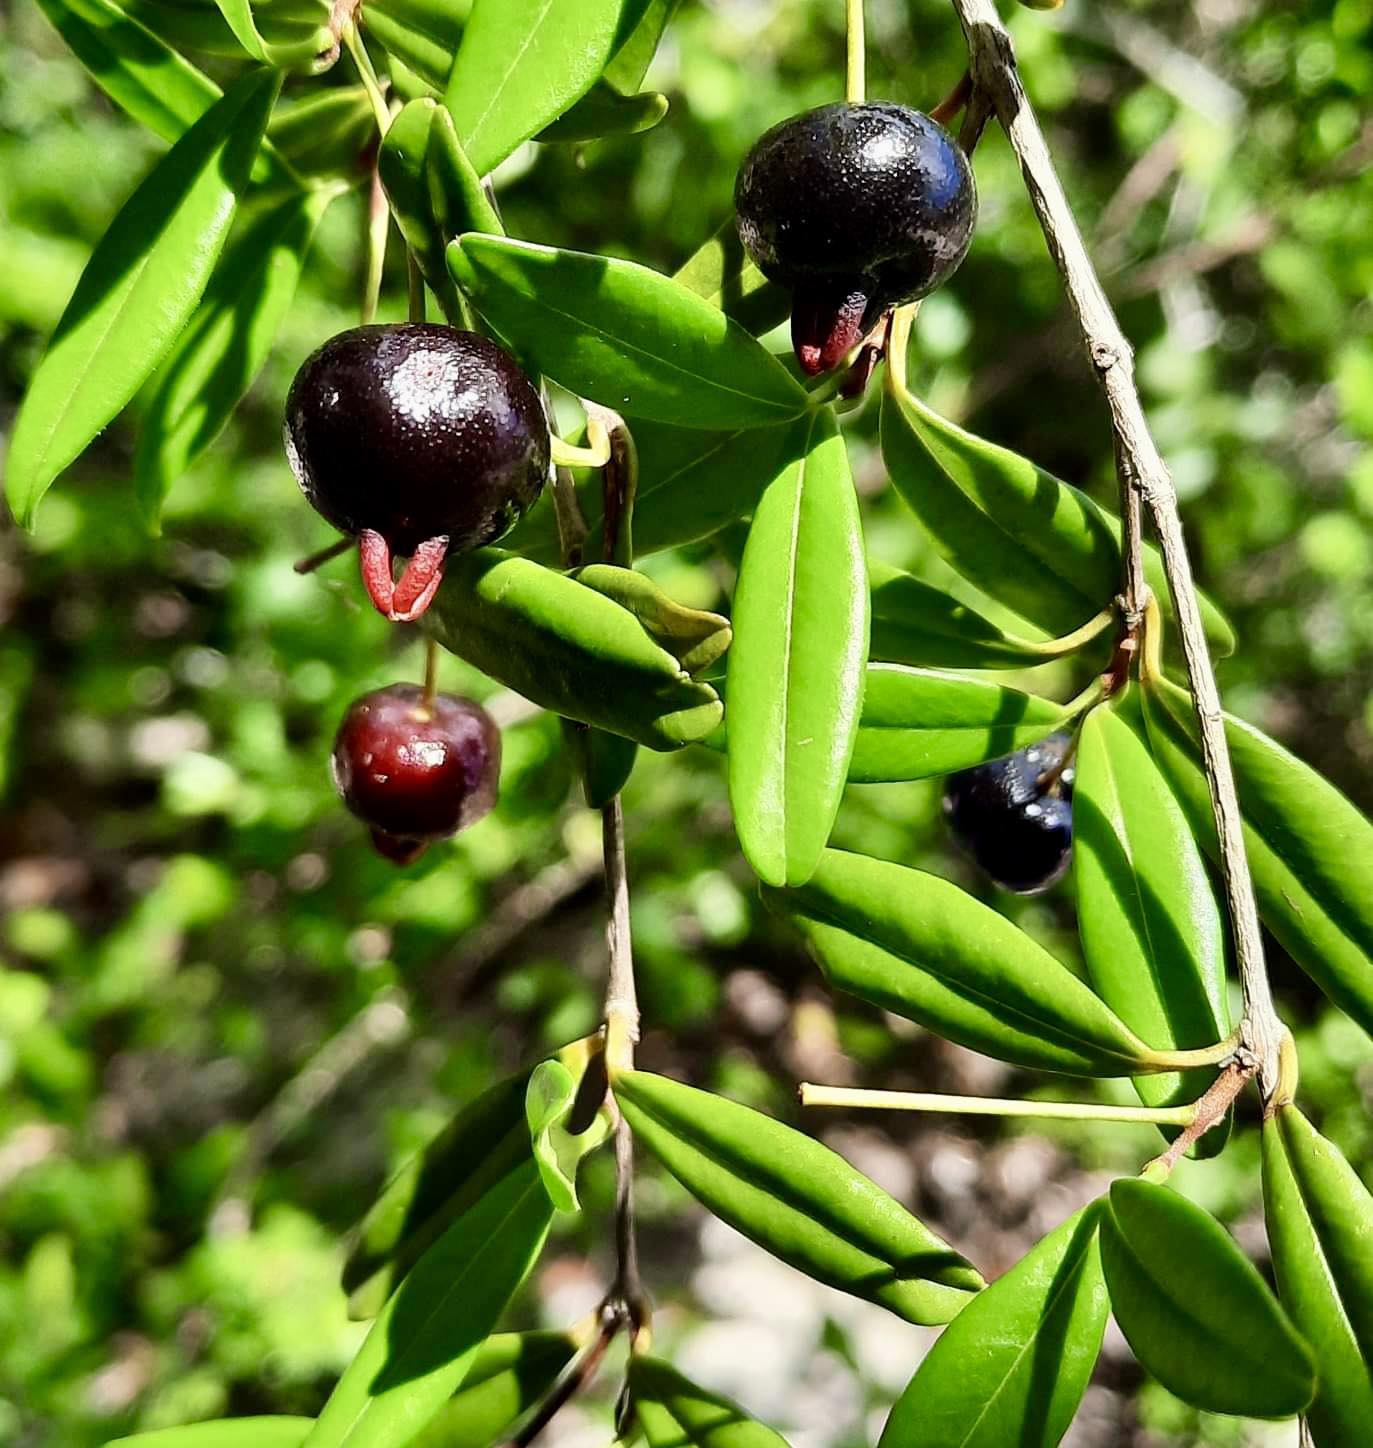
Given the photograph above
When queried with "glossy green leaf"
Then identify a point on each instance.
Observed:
(522, 63)
(512, 1372)
(604, 111)
(801, 1201)
(427, 1336)
(482, 1145)
(569, 649)
(423, 34)
(225, 343)
(1320, 1225)
(458, 197)
(631, 61)
(185, 27)
(675, 1413)
(550, 1103)
(139, 289)
(324, 133)
(1152, 931)
(1023, 537)
(796, 668)
(1194, 1309)
(260, 1432)
(723, 273)
(299, 47)
(922, 722)
(624, 336)
(694, 637)
(1308, 847)
(918, 946)
(1012, 1367)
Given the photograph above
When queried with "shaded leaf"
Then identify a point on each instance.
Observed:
(550, 1100)
(298, 45)
(604, 761)
(625, 336)
(796, 665)
(185, 27)
(674, 1413)
(324, 133)
(1320, 1224)
(604, 111)
(1194, 1309)
(630, 63)
(918, 946)
(138, 290)
(695, 638)
(423, 35)
(722, 272)
(1013, 1365)
(796, 1198)
(259, 1432)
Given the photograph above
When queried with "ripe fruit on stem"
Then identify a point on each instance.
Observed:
(421, 441)
(1014, 816)
(856, 208)
(415, 770)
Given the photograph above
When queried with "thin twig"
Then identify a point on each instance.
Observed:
(992, 61)
(573, 1381)
(1210, 1109)
(317, 560)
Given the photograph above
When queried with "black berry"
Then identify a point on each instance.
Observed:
(1014, 816)
(855, 208)
(416, 774)
(420, 440)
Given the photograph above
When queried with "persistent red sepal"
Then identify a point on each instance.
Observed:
(407, 600)
(826, 326)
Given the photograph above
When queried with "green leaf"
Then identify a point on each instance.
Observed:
(604, 761)
(723, 273)
(272, 1432)
(674, 1413)
(1320, 1224)
(796, 666)
(1152, 932)
(457, 196)
(512, 1372)
(300, 46)
(1308, 847)
(550, 1102)
(695, 638)
(1194, 1309)
(624, 335)
(225, 343)
(1013, 1365)
(1023, 537)
(423, 35)
(138, 290)
(522, 63)
(922, 722)
(920, 947)
(604, 111)
(630, 63)
(324, 133)
(427, 1336)
(797, 1199)
(200, 27)
(569, 649)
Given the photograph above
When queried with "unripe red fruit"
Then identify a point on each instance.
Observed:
(421, 440)
(416, 774)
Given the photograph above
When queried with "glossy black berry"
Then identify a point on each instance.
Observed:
(855, 208)
(421, 440)
(1014, 816)
(415, 774)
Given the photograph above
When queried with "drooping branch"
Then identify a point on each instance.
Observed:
(1144, 476)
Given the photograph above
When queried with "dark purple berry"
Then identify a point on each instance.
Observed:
(855, 208)
(1014, 816)
(421, 441)
(416, 774)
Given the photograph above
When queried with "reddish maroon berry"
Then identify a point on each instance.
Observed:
(413, 774)
(419, 440)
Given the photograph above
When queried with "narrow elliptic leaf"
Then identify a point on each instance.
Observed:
(558, 1150)
(482, 1145)
(1013, 1365)
(918, 946)
(138, 290)
(200, 28)
(324, 133)
(459, 199)
(604, 761)
(922, 722)
(796, 668)
(1320, 1226)
(674, 1413)
(604, 111)
(1194, 1309)
(1023, 537)
(629, 65)
(1151, 929)
(225, 343)
(625, 336)
(801, 1201)
(425, 1339)
(512, 1372)
(299, 44)
(272, 1432)
(1308, 847)
(722, 272)
(522, 63)
(693, 636)
(569, 649)
(423, 35)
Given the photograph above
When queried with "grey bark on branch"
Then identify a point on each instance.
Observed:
(1144, 476)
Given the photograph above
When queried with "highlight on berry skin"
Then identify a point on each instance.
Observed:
(421, 441)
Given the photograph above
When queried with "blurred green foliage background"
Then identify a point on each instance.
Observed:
(224, 1021)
